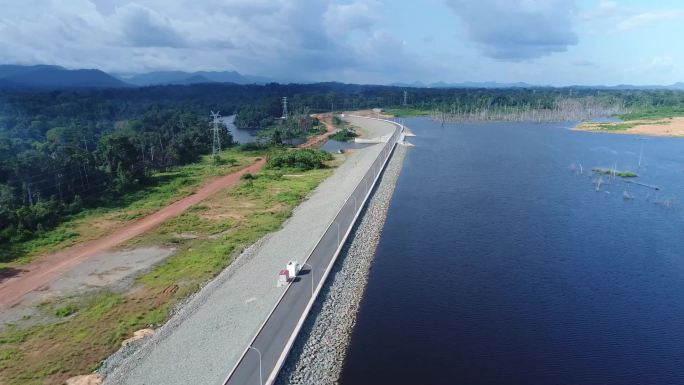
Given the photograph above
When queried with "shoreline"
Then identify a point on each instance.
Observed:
(318, 355)
(667, 127)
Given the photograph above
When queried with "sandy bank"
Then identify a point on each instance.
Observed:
(663, 127)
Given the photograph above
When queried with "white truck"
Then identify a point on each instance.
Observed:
(289, 274)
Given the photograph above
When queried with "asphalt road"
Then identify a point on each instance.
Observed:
(273, 338)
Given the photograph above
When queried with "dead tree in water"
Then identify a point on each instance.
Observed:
(563, 110)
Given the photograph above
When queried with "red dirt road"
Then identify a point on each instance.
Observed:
(39, 273)
(321, 139)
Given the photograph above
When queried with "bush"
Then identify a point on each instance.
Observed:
(305, 159)
(66, 311)
(255, 146)
(344, 135)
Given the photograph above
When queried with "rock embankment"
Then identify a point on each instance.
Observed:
(318, 354)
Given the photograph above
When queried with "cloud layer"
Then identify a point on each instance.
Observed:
(517, 29)
(370, 41)
(286, 39)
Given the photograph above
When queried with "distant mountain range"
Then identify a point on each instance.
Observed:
(180, 77)
(676, 86)
(466, 85)
(47, 76)
(56, 77)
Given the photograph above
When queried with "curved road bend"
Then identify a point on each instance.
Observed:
(49, 267)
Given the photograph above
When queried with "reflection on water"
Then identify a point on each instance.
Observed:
(241, 136)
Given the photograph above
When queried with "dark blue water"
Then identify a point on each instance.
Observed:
(242, 136)
(498, 264)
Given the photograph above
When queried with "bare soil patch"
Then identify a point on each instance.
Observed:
(661, 127)
(48, 268)
(319, 140)
(115, 270)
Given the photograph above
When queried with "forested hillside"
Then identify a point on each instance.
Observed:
(61, 150)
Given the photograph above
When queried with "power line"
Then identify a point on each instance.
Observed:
(284, 107)
(216, 145)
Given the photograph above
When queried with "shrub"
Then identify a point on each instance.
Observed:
(255, 146)
(305, 159)
(344, 135)
(66, 311)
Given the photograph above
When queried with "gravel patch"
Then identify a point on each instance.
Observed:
(319, 351)
(114, 270)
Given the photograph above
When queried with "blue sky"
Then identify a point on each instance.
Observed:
(557, 42)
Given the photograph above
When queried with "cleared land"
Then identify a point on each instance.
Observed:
(85, 312)
(35, 275)
(161, 190)
(86, 329)
(319, 140)
(658, 127)
(67, 336)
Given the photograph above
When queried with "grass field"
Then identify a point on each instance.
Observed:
(406, 112)
(93, 326)
(615, 126)
(162, 189)
(653, 113)
(607, 171)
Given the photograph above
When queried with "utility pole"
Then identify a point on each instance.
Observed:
(284, 107)
(216, 145)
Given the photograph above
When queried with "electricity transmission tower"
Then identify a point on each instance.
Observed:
(284, 107)
(216, 145)
(405, 97)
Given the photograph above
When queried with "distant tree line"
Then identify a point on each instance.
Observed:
(63, 150)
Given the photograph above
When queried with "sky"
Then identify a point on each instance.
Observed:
(545, 42)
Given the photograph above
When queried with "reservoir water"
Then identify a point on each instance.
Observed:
(241, 136)
(501, 263)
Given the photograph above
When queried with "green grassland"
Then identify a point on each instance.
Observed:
(406, 112)
(92, 327)
(614, 126)
(621, 126)
(654, 113)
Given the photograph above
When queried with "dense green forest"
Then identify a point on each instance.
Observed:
(63, 150)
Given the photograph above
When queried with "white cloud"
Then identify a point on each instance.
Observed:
(287, 39)
(611, 15)
(658, 65)
(647, 19)
(342, 18)
(143, 27)
(516, 30)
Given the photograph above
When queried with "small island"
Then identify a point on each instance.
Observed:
(607, 171)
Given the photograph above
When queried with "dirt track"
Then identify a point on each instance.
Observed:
(321, 139)
(37, 274)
